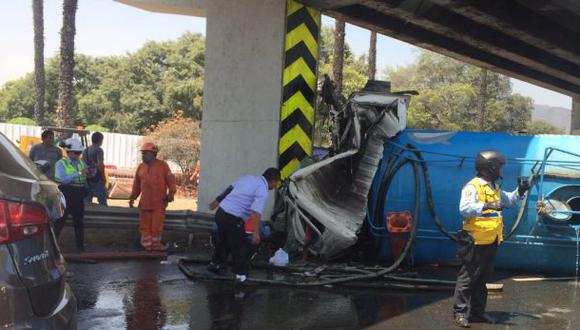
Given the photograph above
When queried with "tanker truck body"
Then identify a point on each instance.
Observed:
(391, 194)
(444, 163)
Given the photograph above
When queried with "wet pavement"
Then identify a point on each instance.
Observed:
(156, 295)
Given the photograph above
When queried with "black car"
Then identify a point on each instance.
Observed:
(33, 290)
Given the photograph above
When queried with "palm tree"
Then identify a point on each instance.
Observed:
(482, 97)
(67, 64)
(38, 18)
(373, 56)
(338, 61)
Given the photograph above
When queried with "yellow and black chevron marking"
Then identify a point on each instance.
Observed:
(299, 83)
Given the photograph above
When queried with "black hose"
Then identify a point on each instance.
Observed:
(384, 188)
(521, 211)
(381, 192)
(388, 175)
(429, 193)
(431, 206)
(412, 285)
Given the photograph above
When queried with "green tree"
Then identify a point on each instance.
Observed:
(38, 19)
(17, 98)
(458, 96)
(139, 90)
(354, 71)
(178, 140)
(67, 63)
(96, 128)
(125, 94)
(22, 121)
(338, 56)
(541, 127)
(373, 55)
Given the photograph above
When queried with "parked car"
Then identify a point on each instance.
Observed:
(33, 290)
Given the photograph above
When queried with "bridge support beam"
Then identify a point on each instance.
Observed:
(575, 122)
(242, 92)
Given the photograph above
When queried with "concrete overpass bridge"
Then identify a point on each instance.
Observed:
(261, 63)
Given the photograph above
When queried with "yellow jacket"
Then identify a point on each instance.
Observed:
(488, 226)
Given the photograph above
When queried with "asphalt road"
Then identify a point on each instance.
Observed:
(156, 295)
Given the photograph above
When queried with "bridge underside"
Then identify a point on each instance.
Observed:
(537, 41)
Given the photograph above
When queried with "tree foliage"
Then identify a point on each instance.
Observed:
(178, 140)
(22, 121)
(458, 96)
(129, 94)
(96, 128)
(355, 71)
(372, 56)
(541, 127)
(125, 94)
(354, 68)
(338, 56)
(64, 111)
(38, 19)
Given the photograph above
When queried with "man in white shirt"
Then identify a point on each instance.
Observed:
(241, 202)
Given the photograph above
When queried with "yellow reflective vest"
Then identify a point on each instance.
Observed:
(487, 227)
(70, 169)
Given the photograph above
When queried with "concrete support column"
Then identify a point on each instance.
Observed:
(242, 92)
(575, 122)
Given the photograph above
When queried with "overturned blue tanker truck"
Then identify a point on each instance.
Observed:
(394, 192)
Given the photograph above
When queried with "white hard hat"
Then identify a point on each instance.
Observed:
(73, 144)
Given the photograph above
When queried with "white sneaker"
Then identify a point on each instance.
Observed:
(239, 295)
(241, 278)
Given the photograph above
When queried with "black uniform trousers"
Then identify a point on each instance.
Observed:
(476, 270)
(231, 239)
(75, 206)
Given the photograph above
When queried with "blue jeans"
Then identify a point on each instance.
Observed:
(96, 189)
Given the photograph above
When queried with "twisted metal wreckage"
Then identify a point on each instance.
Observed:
(329, 198)
(380, 170)
(326, 202)
(376, 168)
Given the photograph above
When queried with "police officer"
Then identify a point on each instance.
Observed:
(481, 205)
(71, 175)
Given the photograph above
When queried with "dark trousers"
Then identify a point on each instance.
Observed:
(75, 206)
(470, 290)
(231, 239)
(96, 189)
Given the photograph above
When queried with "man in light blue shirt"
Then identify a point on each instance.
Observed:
(243, 201)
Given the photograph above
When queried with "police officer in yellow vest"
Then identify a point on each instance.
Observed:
(70, 174)
(481, 205)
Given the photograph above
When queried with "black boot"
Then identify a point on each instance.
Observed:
(482, 318)
(80, 238)
(216, 268)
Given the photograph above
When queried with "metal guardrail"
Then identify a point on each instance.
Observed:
(126, 218)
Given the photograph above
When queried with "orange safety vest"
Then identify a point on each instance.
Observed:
(153, 182)
(487, 227)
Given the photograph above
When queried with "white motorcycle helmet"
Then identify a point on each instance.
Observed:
(73, 144)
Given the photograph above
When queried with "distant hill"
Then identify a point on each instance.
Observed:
(555, 116)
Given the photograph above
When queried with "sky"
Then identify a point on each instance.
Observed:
(106, 27)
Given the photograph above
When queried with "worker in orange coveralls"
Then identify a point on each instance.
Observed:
(156, 185)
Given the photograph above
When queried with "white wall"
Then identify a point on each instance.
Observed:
(242, 92)
(121, 150)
